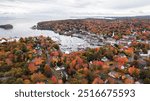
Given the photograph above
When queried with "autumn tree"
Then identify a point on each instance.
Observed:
(37, 77)
(47, 71)
(32, 67)
(133, 71)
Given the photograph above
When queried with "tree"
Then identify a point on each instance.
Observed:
(24, 48)
(47, 71)
(133, 71)
(147, 81)
(37, 77)
(32, 67)
(54, 53)
(129, 51)
(121, 60)
(145, 76)
(97, 80)
(98, 63)
(54, 79)
(38, 61)
(56, 46)
(128, 81)
(19, 81)
(26, 81)
(9, 62)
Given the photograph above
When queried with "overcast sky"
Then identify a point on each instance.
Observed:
(76, 7)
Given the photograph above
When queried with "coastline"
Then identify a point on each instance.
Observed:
(117, 58)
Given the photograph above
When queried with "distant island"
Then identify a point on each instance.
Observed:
(7, 26)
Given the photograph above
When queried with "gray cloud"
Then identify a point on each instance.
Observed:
(127, 4)
(81, 7)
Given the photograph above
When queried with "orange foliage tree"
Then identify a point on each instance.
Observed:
(133, 71)
(37, 77)
(32, 67)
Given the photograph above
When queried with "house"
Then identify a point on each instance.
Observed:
(104, 59)
(145, 55)
(111, 41)
(142, 63)
(122, 55)
(114, 74)
(3, 40)
(128, 76)
(128, 79)
(67, 52)
(59, 68)
(137, 82)
(123, 67)
(60, 71)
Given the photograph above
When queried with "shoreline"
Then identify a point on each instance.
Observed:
(121, 59)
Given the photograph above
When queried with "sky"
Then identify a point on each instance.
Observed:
(75, 7)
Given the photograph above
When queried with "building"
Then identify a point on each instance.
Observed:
(145, 55)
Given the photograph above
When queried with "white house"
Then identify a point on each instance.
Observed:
(3, 40)
(146, 55)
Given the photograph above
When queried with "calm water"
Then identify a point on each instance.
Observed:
(22, 28)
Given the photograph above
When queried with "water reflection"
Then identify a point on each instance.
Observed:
(22, 28)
